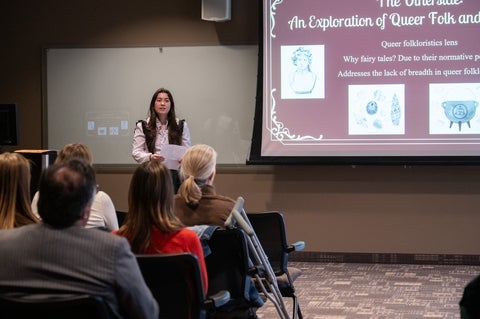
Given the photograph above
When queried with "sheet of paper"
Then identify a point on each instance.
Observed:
(172, 154)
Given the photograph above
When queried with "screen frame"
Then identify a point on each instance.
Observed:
(256, 158)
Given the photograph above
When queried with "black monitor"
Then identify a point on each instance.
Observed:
(8, 124)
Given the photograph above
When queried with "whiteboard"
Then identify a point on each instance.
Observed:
(96, 95)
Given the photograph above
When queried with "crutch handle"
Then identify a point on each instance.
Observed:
(230, 222)
(241, 222)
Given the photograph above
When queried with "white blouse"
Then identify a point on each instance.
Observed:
(140, 150)
(102, 212)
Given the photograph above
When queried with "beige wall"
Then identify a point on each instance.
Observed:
(384, 209)
(374, 209)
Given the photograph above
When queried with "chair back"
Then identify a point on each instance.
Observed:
(176, 283)
(120, 217)
(228, 267)
(72, 307)
(270, 230)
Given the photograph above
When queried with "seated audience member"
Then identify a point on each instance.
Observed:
(102, 214)
(150, 224)
(196, 202)
(60, 256)
(15, 210)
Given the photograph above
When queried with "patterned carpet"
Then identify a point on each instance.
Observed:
(379, 291)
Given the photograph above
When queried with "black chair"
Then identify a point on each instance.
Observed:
(228, 269)
(71, 307)
(120, 217)
(176, 283)
(271, 232)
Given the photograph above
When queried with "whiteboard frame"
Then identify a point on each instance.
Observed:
(218, 105)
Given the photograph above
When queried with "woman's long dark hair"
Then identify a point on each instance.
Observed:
(150, 203)
(174, 130)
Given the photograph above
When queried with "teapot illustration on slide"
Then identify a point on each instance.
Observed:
(460, 107)
(460, 112)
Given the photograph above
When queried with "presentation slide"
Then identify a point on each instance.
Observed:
(371, 78)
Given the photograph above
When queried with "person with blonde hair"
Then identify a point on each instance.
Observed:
(103, 214)
(15, 210)
(77, 150)
(150, 225)
(196, 202)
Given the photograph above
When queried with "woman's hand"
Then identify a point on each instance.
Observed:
(157, 157)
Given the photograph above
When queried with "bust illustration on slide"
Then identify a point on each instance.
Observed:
(302, 80)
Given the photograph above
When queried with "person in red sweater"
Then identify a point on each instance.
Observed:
(150, 225)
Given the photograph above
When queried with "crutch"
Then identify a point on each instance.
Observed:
(239, 217)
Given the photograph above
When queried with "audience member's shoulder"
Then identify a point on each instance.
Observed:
(102, 195)
(211, 194)
(105, 236)
(187, 233)
(226, 199)
(19, 233)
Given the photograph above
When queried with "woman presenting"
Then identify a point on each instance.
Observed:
(161, 128)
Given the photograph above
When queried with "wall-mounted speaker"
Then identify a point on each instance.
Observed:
(216, 10)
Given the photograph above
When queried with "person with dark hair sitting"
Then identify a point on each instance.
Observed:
(151, 225)
(15, 179)
(59, 256)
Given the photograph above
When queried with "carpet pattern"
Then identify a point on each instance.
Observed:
(378, 291)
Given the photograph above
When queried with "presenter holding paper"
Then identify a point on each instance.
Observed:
(162, 136)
